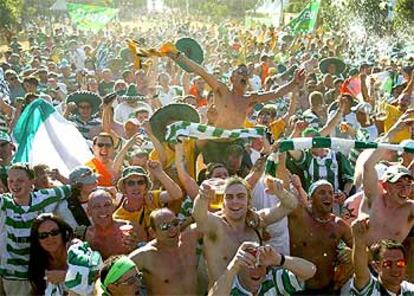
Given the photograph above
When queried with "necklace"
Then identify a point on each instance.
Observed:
(320, 220)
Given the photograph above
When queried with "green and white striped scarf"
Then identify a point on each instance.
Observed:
(337, 144)
(185, 129)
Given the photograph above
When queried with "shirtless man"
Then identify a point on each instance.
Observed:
(105, 235)
(392, 203)
(314, 235)
(224, 232)
(225, 99)
(169, 262)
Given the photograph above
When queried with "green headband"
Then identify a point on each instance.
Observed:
(118, 269)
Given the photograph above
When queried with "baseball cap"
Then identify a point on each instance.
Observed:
(396, 172)
(82, 175)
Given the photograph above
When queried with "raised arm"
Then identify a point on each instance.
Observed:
(360, 253)
(159, 148)
(291, 86)
(301, 268)
(334, 120)
(120, 157)
(211, 80)
(409, 88)
(256, 172)
(205, 220)
(242, 259)
(190, 185)
(288, 202)
(292, 106)
(172, 190)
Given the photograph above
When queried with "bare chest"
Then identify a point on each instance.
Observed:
(171, 271)
(221, 246)
(388, 223)
(312, 239)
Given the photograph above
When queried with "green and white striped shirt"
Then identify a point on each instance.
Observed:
(16, 222)
(277, 282)
(333, 167)
(374, 288)
(85, 128)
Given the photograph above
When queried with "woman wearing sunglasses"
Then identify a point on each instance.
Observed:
(49, 237)
(119, 276)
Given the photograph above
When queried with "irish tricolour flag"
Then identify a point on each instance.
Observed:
(44, 136)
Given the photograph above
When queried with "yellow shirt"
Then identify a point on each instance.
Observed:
(189, 152)
(141, 216)
(393, 114)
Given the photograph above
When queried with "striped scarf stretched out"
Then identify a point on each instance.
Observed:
(185, 129)
(337, 144)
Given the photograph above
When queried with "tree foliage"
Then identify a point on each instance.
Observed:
(404, 14)
(10, 12)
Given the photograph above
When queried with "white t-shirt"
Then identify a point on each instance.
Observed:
(279, 231)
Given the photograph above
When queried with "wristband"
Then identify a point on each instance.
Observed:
(282, 259)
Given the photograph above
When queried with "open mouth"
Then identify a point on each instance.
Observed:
(103, 216)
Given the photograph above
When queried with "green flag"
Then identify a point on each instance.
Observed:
(90, 17)
(306, 20)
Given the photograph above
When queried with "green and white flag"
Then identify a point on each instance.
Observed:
(191, 130)
(43, 135)
(305, 22)
(90, 17)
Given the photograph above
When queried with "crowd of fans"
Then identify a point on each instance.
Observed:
(196, 217)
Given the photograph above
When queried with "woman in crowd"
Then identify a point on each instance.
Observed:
(49, 237)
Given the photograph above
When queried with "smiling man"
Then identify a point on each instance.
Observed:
(225, 231)
(102, 163)
(226, 99)
(106, 230)
(391, 203)
(315, 234)
(139, 200)
(260, 270)
(169, 262)
(389, 262)
(18, 209)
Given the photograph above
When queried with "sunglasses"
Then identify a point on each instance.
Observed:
(167, 226)
(135, 182)
(44, 235)
(130, 281)
(101, 145)
(388, 263)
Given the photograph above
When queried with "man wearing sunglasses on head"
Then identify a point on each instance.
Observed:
(169, 262)
(389, 261)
